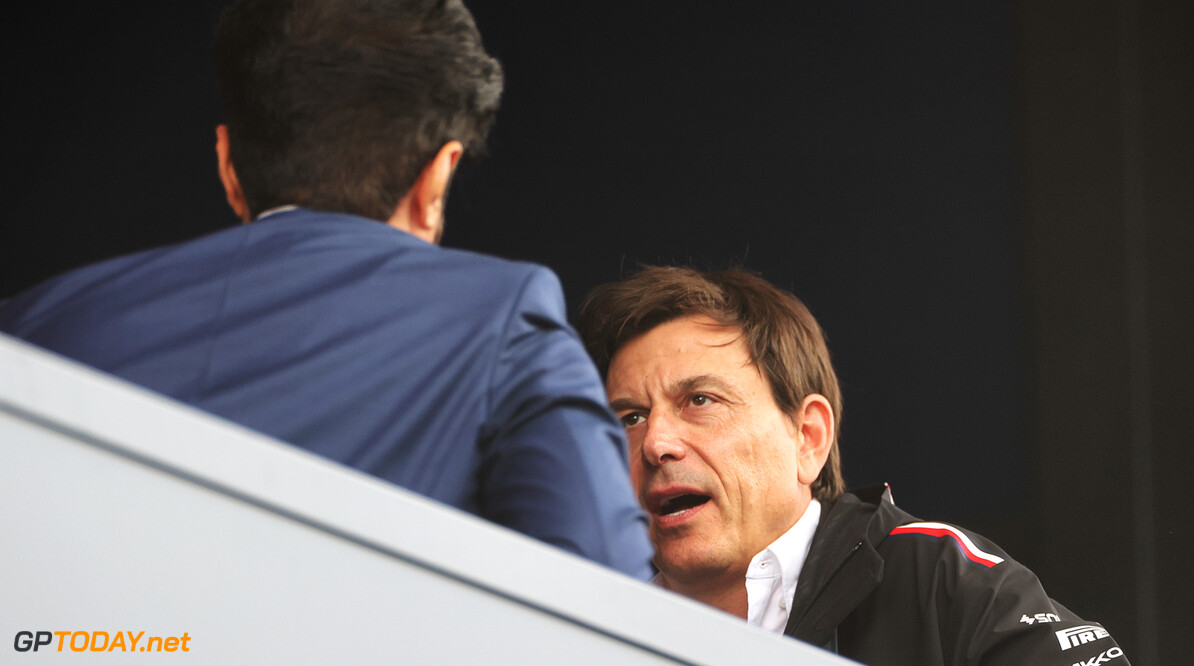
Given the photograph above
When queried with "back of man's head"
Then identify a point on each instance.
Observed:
(339, 104)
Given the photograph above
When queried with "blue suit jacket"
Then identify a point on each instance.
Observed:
(449, 373)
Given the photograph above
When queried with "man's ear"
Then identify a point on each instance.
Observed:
(236, 197)
(814, 436)
(421, 211)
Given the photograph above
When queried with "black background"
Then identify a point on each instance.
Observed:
(987, 206)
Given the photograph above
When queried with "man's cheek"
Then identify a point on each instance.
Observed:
(636, 479)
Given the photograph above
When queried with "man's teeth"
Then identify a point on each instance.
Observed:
(681, 503)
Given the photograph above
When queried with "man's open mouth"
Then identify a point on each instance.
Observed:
(680, 503)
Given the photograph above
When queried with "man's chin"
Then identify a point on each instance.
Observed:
(683, 565)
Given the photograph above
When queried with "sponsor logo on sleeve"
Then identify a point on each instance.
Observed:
(1080, 635)
(1107, 656)
(1042, 618)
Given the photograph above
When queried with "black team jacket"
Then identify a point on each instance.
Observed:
(883, 588)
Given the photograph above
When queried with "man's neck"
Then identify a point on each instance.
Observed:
(727, 592)
(727, 589)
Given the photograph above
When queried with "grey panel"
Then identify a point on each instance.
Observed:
(124, 511)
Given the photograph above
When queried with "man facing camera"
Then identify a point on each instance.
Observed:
(332, 319)
(724, 385)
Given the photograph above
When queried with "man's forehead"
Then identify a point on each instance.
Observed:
(683, 353)
(700, 330)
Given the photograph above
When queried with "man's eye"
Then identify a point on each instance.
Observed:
(700, 400)
(633, 418)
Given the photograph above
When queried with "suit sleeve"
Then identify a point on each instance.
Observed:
(554, 456)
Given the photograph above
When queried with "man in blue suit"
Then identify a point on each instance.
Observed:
(332, 319)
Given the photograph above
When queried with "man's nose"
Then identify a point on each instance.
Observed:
(662, 441)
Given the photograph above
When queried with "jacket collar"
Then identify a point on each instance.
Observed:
(843, 566)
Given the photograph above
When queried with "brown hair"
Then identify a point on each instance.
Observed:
(783, 338)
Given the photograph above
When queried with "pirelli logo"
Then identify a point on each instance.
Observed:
(1080, 635)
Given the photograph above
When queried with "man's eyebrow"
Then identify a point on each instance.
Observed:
(623, 404)
(680, 387)
(698, 382)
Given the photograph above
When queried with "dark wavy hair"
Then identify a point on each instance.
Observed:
(783, 338)
(340, 104)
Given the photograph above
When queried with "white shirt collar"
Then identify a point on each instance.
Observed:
(772, 575)
(275, 209)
